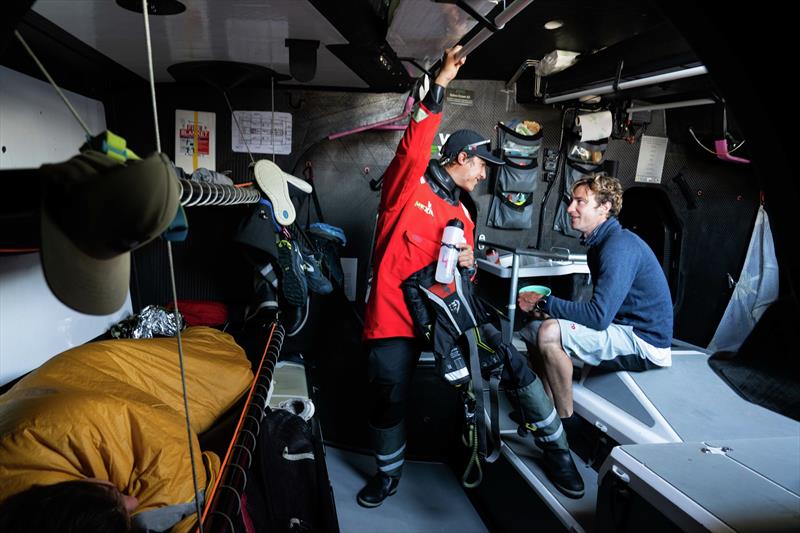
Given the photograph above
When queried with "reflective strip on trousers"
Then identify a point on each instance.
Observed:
(389, 463)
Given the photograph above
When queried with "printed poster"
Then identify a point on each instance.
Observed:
(263, 132)
(651, 159)
(195, 140)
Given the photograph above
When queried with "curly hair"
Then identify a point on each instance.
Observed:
(605, 189)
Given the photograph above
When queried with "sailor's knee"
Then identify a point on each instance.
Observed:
(549, 334)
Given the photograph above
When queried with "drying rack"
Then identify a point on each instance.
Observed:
(198, 193)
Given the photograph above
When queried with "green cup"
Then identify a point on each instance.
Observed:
(540, 289)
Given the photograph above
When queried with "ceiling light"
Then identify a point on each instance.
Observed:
(553, 24)
(154, 7)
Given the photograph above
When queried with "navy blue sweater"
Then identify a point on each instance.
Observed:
(629, 287)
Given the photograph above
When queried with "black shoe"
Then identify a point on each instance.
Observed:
(377, 489)
(317, 282)
(562, 472)
(293, 279)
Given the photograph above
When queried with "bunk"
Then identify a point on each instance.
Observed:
(678, 437)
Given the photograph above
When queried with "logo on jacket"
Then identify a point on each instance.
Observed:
(454, 306)
(427, 209)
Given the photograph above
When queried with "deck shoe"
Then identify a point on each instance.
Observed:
(377, 489)
(562, 472)
(317, 282)
(265, 298)
(293, 279)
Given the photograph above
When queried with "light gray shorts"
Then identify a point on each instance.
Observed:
(591, 346)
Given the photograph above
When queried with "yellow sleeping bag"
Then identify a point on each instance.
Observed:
(114, 410)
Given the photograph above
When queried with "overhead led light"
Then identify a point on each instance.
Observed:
(553, 24)
(154, 7)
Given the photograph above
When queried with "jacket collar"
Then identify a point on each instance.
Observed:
(601, 232)
(442, 184)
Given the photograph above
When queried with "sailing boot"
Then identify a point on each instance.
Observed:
(390, 446)
(542, 420)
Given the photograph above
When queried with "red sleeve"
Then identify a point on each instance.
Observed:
(411, 158)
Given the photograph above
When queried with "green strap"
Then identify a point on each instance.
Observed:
(112, 145)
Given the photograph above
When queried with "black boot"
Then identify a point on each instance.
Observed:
(562, 472)
(389, 445)
(377, 489)
(542, 420)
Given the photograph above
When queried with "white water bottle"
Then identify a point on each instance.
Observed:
(452, 236)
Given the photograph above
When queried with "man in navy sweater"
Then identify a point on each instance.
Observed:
(627, 323)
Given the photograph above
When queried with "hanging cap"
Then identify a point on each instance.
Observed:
(470, 142)
(96, 210)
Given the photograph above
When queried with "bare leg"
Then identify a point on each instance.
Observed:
(557, 366)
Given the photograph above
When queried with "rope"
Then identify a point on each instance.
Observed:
(53, 83)
(471, 441)
(198, 510)
(474, 461)
(272, 114)
(150, 71)
(713, 151)
(238, 127)
(701, 144)
(183, 382)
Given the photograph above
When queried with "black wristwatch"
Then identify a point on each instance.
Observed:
(540, 303)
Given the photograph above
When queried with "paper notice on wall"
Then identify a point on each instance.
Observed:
(595, 126)
(350, 269)
(195, 140)
(263, 132)
(652, 151)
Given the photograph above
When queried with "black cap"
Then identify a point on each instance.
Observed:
(470, 142)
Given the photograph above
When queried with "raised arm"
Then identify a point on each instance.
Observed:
(413, 152)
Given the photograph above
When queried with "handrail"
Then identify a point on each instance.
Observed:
(499, 22)
(406, 111)
(516, 253)
(629, 84)
(558, 256)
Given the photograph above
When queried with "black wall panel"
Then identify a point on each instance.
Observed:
(725, 195)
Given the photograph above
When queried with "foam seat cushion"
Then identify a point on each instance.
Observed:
(114, 410)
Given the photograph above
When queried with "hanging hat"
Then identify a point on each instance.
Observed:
(95, 210)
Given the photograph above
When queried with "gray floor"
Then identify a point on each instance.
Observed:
(429, 499)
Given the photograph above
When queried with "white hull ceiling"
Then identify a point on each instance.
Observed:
(422, 28)
(246, 31)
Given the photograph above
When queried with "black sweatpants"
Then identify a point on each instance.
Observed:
(391, 369)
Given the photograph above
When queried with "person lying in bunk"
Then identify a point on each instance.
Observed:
(95, 439)
(84, 506)
(418, 199)
(627, 323)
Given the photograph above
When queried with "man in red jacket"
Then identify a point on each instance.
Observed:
(418, 198)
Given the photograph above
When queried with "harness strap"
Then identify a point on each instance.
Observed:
(480, 413)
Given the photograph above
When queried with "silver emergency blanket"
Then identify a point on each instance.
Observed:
(152, 321)
(756, 289)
